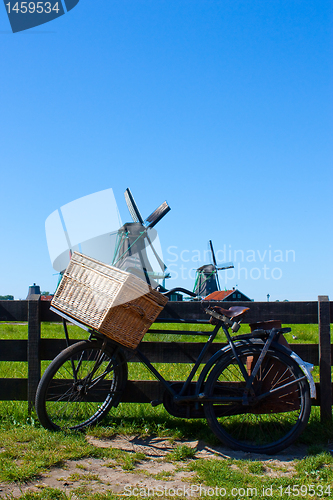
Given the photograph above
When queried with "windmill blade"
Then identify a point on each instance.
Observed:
(157, 257)
(157, 215)
(227, 265)
(132, 207)
(213, 253)
(218, 281)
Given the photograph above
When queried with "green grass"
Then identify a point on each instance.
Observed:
(45, 494)
(82, 493)
(305, 333)
(180, 453)
(251, 479)
(27, 450)
(171, 371)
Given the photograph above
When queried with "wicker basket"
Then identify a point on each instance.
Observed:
(116, 303)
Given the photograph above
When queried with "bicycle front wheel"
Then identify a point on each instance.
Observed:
(278, 405)
(80, 386)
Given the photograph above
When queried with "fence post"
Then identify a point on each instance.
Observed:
(325, 358)
(33, 347)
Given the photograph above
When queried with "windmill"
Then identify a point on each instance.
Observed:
(137, 247)
(207, 278)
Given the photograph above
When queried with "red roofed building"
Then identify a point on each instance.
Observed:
(233, 295)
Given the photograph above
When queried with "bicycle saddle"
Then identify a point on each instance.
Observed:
(232, 312)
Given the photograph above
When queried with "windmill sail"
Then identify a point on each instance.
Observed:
(132, 207)
(158, 214)
(88, 225)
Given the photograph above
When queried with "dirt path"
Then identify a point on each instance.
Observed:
(154, 473)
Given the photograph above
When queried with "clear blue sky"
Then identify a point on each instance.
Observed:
(221, 107)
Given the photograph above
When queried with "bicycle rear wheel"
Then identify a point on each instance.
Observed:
(80, 386)
(265, 425)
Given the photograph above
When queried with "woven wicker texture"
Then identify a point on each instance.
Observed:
(109, 300)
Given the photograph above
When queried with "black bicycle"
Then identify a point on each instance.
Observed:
(254, 392)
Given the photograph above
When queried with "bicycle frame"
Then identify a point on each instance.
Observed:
(179, 397)
(198, 397)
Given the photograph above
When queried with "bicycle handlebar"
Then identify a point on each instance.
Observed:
(178, 289)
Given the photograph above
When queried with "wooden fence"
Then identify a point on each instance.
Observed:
(35, 349)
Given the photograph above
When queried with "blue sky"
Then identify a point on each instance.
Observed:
(223, 108)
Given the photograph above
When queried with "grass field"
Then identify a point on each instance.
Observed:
(304, 333)
(26, 449)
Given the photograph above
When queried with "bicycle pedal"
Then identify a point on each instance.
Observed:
(156, 402)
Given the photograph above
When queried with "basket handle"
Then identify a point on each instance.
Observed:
(139, 310)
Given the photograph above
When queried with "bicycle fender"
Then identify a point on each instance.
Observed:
(306, 369)
(304, 366)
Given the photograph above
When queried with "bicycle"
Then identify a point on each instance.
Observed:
(260, 407)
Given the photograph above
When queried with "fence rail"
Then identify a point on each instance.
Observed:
(34, 350)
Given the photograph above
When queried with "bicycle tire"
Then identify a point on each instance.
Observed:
(266, 426)
(80, 386)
